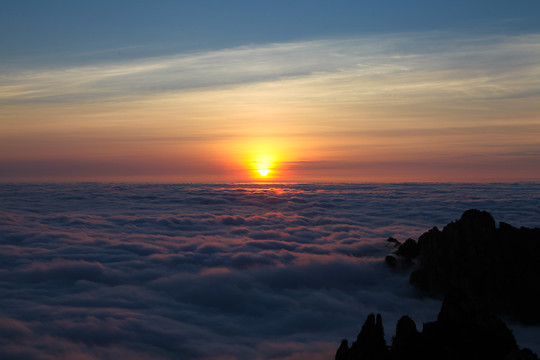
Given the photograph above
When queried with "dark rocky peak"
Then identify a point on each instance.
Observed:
(463, 330)
(405, 254)
(406, 345)
(468, 328)
(476, 219)
(369, 344)
(393, 242)
(496, 266)
(484, 271)
(406, 329)
(409, 249)
(343, 350)
(474, 230)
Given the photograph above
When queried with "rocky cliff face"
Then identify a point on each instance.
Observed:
(369, 344)
(496, 266)
(484, 270)
(463, 330)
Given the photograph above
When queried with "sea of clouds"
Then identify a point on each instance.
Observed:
(145, 271)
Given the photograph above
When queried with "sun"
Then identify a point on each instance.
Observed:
(261, 162)
(263, 166)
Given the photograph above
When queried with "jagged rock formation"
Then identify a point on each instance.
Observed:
(496, 266)
(405, 252)
(483, 270)
(408, 250)
(407, 342)
(463, 330)
(466, 330)
(392, 241)
(369, 344)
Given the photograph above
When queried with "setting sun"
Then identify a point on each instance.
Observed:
(263, 165)
(262, 160)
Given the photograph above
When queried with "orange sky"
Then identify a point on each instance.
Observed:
(372, 108)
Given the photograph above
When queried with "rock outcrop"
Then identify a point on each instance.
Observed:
(408, 250)
(369, 345)
(463, 330)
(496, 266)
(484, 270)
(404, 255)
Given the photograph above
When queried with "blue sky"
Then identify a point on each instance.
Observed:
(79, 31)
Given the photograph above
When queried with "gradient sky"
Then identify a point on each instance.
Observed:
(212, 91)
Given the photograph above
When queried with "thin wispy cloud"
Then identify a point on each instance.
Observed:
(406, 65)
(316, 101)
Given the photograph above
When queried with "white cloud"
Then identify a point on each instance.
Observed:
(170, 270)
(409, 66)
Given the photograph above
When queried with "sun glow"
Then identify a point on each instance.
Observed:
(263, 159)
(263, 166)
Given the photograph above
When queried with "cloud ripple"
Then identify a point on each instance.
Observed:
(105, 271)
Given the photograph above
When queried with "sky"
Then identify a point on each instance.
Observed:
(302, 91)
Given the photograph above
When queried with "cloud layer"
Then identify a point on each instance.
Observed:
(95, 271)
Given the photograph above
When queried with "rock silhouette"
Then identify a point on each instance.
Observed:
(407, 342)
(496, 266)
(393, 242)
(463, 330)
(408, 250)
(484, 270)
(369, 344)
